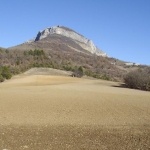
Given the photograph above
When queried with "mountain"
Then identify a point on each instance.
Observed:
(62, 48)
(1, 48)
(59, 34)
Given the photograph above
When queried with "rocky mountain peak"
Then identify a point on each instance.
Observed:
(64, 31)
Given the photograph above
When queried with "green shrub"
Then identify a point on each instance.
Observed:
(35, 52)
(5, 72)
(105, 77)
(1, 78)
(78, 72)
(88, 73)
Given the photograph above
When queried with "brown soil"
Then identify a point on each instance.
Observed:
(58, 112)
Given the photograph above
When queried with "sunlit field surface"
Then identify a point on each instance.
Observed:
(42, 112)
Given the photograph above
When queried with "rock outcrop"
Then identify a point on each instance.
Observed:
(30, 41)
(79, 39)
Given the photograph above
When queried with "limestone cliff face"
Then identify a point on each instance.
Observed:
(79, 39)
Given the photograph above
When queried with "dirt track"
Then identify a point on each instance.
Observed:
(56, 112)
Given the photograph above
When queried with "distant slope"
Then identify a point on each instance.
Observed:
(52, 42)
(2, 48)
(47, 71)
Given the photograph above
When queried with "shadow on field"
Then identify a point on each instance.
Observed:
(120, 86)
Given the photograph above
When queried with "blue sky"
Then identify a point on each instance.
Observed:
(121, 28)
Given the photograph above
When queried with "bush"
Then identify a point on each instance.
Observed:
(105, 77)
(78, 72)
(1, 78)
(138, 80)
(35, 52)
(5, 72)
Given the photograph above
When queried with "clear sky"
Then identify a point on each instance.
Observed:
(121, 28)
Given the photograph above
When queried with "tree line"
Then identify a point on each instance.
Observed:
(17, 61)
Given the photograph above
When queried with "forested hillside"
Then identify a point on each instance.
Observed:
(17, 61)
(13, 62)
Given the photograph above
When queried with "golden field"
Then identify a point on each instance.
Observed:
(46, 112)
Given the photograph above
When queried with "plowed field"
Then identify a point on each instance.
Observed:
(43, 112)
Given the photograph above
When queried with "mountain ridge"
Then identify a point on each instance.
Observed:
(67, 32)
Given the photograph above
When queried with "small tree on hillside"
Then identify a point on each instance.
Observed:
(5, 72)
(78, 72)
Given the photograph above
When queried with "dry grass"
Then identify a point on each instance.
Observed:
(56, 112)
